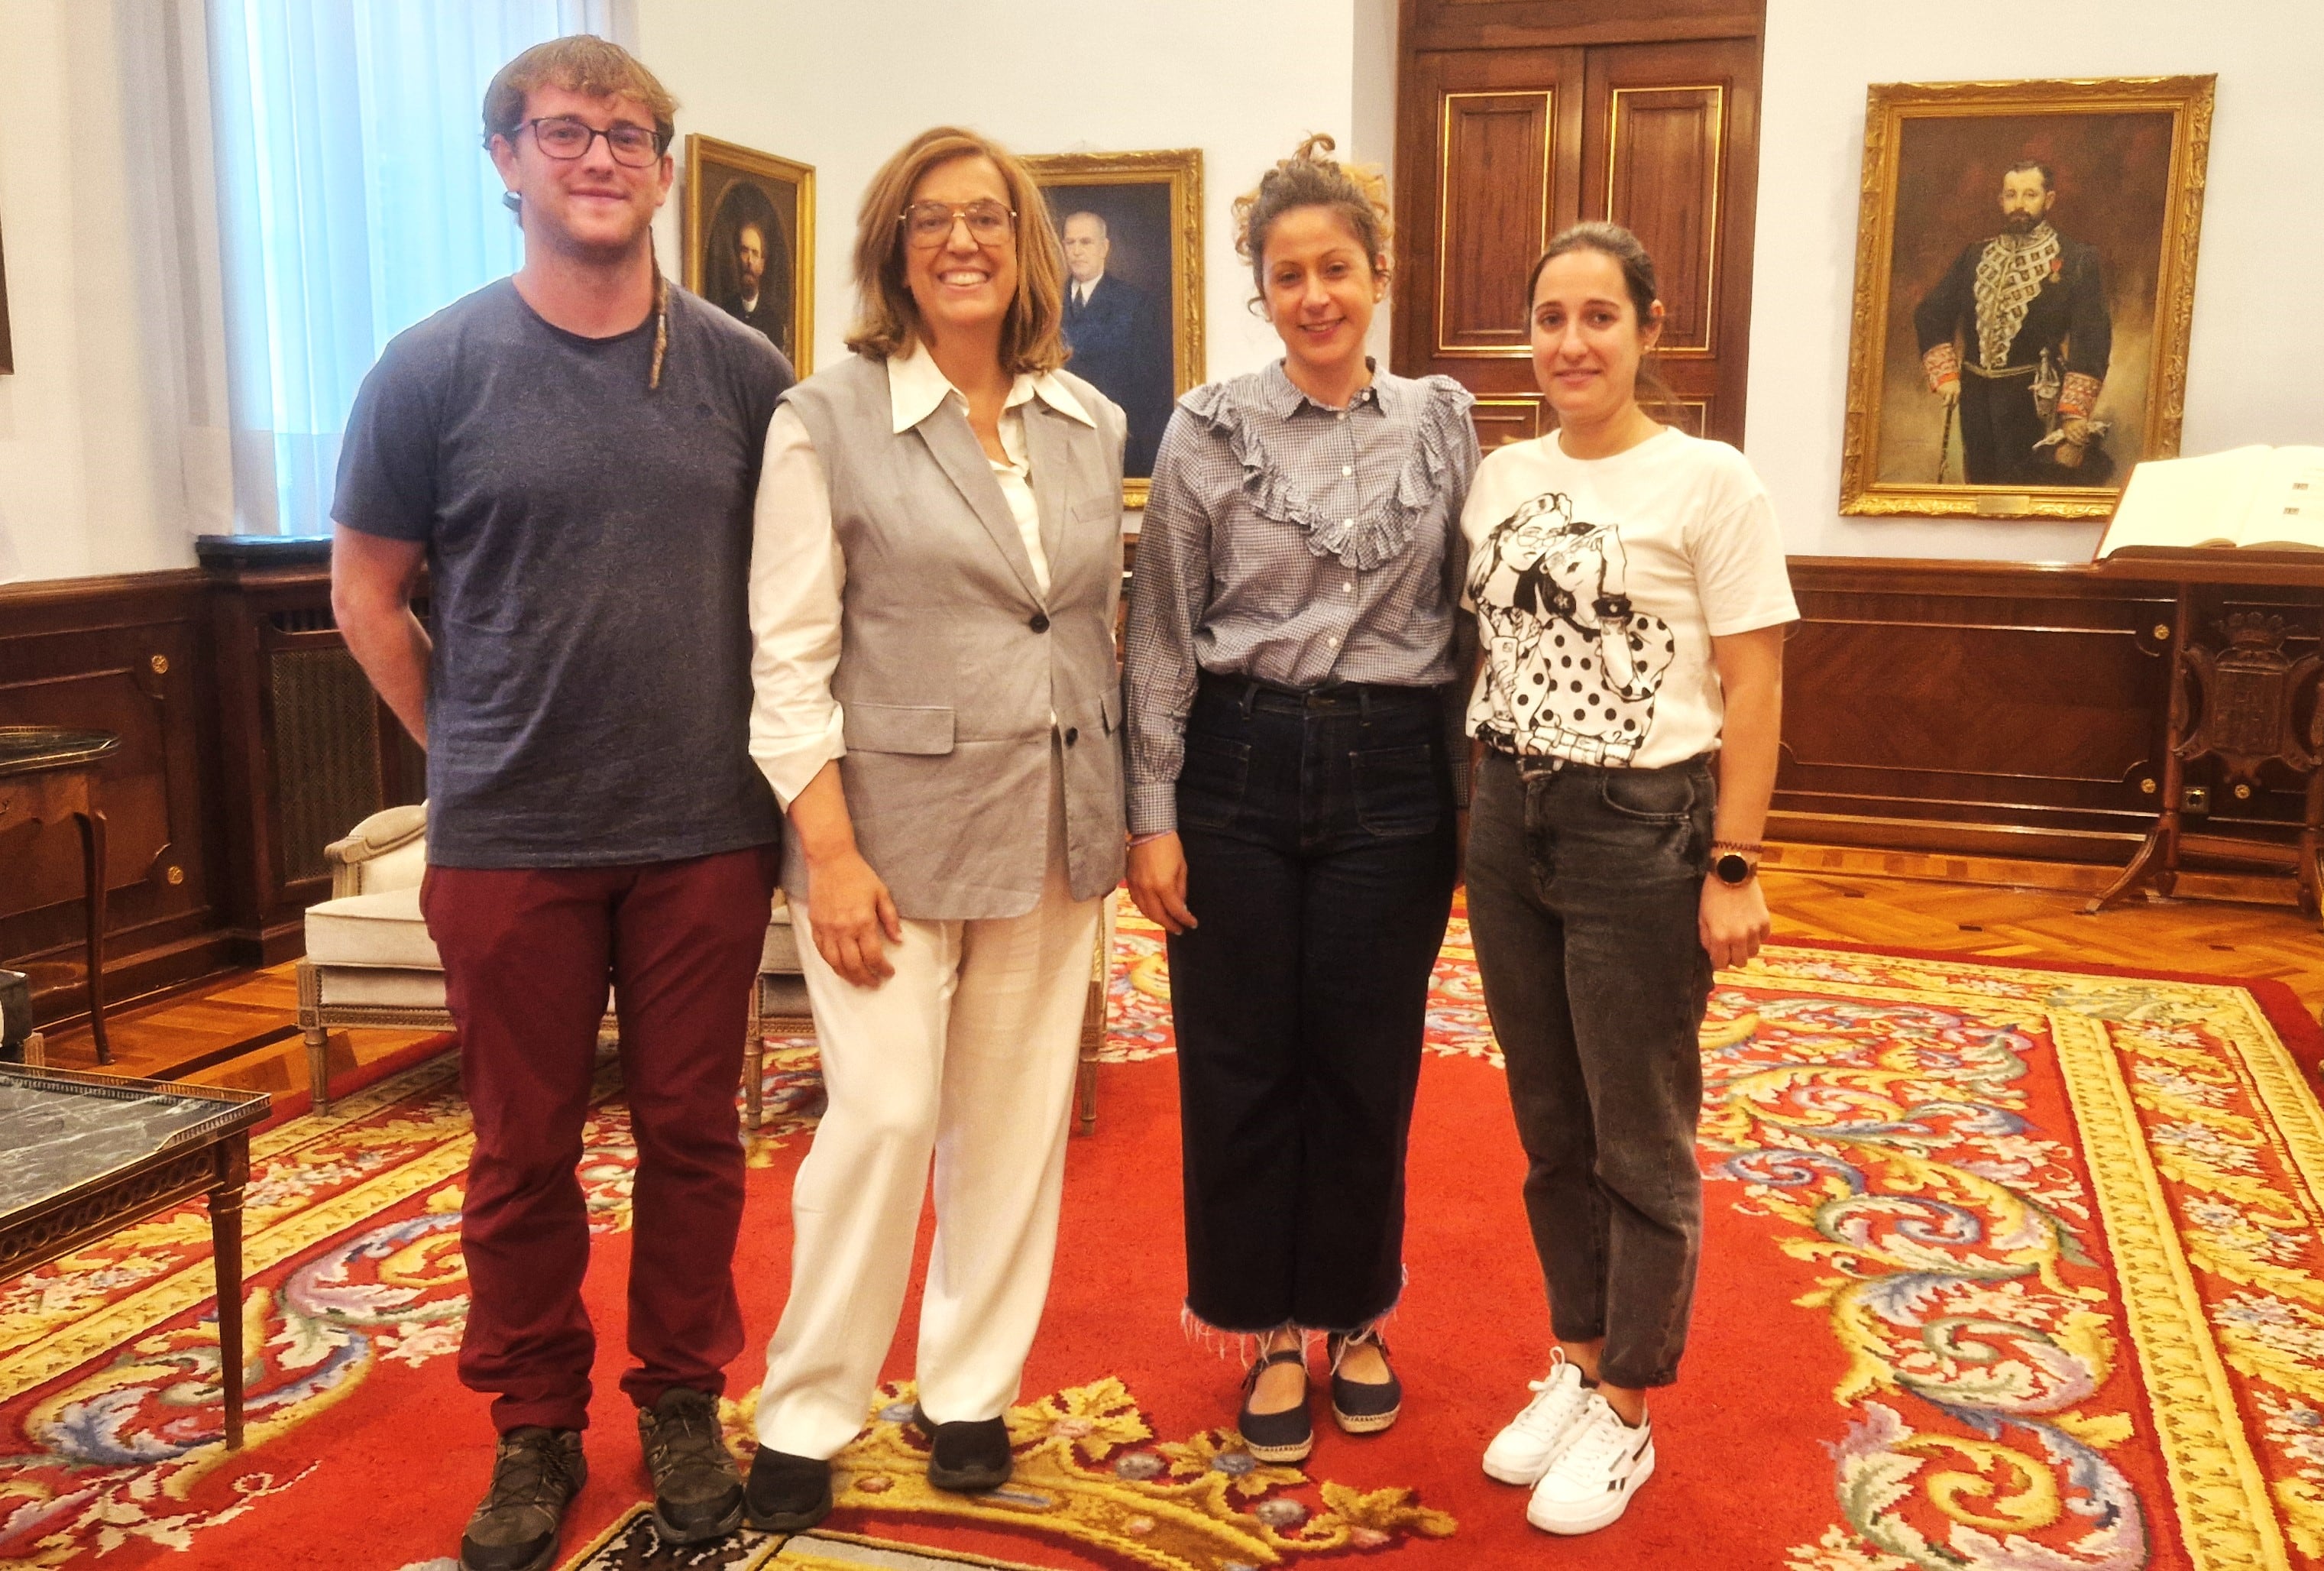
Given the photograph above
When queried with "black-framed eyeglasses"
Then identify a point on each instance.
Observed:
(561, 136)
(929, 224)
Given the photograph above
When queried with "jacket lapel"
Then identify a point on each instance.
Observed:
(958, 453)
(1048, 445)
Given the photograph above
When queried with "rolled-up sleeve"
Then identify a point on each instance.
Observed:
(1168, 595)
(797, 575)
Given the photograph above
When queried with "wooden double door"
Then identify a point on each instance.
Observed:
(1500, 148)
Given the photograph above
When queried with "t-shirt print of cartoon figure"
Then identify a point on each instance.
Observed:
(1572, 669)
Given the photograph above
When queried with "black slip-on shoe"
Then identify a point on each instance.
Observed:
(786, 1493)
(1363, 1407)
(968, 1456)
(697, 1488)
(1284, 1436)
(535, 1474)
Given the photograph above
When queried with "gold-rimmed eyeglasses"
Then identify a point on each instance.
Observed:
(928, 225)
(563, 138)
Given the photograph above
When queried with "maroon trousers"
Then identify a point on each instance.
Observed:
(527, 954)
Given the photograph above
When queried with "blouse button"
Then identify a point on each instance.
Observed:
(1347, 469)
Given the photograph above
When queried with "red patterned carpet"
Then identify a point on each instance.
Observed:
(2006, 1268)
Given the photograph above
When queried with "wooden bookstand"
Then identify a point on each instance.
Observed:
(2239, 700)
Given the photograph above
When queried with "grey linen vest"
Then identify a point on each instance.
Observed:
(951, 660)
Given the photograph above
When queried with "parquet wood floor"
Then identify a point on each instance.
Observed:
(242, 1029)
(2211, 938)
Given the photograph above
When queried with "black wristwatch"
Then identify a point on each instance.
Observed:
(1737, 862)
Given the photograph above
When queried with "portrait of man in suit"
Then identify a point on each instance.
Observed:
(749, 279)
(750, 241)
(1120, 338)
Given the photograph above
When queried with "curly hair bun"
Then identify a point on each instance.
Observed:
(1312, 178)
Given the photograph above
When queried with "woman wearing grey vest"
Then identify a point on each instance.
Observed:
(1291, 750)
(936, 564)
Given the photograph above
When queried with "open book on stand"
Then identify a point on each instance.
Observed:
(2267, 499)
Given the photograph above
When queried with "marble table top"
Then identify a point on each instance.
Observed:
(61, 1131)
(24, 748)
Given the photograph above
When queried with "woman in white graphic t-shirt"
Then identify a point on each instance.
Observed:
(1630, 593)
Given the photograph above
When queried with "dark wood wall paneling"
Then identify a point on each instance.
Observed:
(2001, 709)
(124, 655)
(1956, 708)
(232, 759)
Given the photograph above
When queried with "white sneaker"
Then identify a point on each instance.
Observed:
(1523, 1451)
(1601, 1466)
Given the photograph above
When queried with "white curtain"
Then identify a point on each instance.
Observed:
(354, 200)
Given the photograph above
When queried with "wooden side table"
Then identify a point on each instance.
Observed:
(48, 774)
(91, 1153)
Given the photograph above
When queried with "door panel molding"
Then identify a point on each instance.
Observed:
(1684, 242)
(1472, 253)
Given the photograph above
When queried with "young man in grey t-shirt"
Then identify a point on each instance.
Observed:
(572, 453)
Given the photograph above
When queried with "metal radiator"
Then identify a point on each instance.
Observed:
(325, 753)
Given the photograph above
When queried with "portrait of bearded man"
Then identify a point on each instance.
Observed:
(749, 279)
(2015, 338)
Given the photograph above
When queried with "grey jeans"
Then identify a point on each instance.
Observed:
(1583, 889)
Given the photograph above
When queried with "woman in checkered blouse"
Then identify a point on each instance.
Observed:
(1293, 742)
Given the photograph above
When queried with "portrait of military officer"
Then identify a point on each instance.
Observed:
(1120, 338)
(750, 268)
(2015, 338)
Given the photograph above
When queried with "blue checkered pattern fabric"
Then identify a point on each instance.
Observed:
(1299, 545)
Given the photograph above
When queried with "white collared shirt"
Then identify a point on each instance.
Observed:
(1081, 292)
(797, 571)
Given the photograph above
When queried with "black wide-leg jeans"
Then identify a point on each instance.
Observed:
(1584, 889)
(1318, 831)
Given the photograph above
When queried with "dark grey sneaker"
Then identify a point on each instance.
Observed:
(697, 1488)
(968, 1456)
(535, 1474)
(787, 1494)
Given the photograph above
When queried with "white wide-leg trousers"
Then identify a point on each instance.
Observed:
(967, 1053)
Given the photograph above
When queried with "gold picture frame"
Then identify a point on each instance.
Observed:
(7, 344)
(2120, 161)
(730, 188)
(1148, 207)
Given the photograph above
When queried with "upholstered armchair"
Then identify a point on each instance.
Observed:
(371, 964)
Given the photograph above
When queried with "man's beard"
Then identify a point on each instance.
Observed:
(2019, 223)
